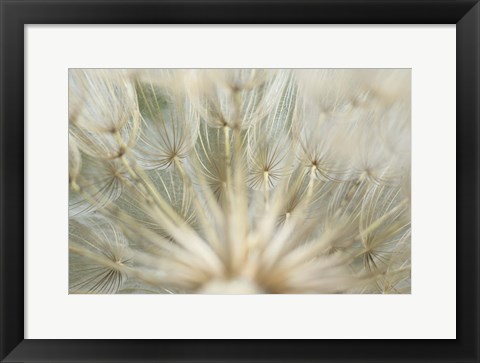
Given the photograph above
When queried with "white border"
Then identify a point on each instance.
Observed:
(429, 312)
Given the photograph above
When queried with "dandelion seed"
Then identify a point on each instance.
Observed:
(104, 117)
(98, 256)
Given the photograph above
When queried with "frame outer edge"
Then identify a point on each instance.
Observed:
(468, 176)
(11, 180)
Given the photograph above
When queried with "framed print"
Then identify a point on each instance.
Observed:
(247, 181)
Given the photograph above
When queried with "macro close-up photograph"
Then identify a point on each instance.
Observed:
(239, 181)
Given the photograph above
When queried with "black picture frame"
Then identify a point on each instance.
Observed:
(15, 14)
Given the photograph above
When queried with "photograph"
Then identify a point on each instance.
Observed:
(239, 181)
(248, 181)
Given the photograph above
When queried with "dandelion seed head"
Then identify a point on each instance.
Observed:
(239, 181)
